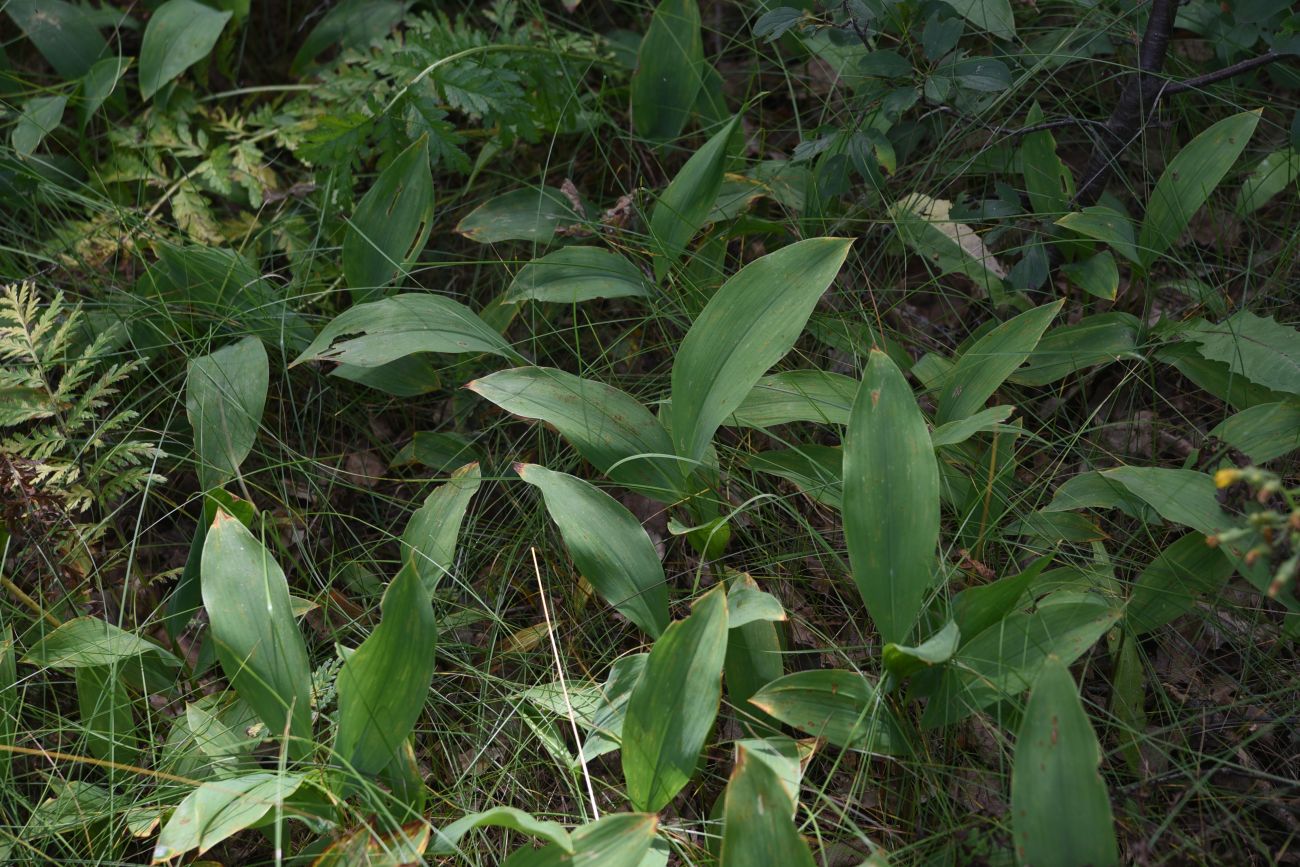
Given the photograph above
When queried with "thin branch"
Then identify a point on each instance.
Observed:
(1218, 75)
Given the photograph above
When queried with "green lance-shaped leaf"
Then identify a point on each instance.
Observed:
(256, 639)
(891, 499)
(669, 71)
(1259, 348)
(1060, 811)
(608, 545)
(40, 117)
(749, 324)
(179, 34)
(216, 810)
(797, 395)
(225, 393)
(575, 274)
(841, 706)
(1047, 181)
(105, 709)
(429, 541)
(988, 362)
(687, 201)
(758, 821)
(1188, 181)
(377, 332)
(384, 683)
(532, 214)
(616, 840)
(993, 16)
(445, 841)
(391, 222)
(674, 704)
(608, 427)
(64, 34)
(1106, 225)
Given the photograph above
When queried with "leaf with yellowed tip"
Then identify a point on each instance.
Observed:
(758, 818)
(391, 223)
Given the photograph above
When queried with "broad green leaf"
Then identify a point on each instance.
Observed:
(962, 429)
(41, 116)
(383, 685)
(225, 393)
(1097, 339)
(531, 214)
(1171, 584)
(616, 840)
(429, 541)
(749, 324)
(754, 659)
(608, 545)
(105, 709)
(1188, 180)
(1180, 496)
(951, 247)
(1097, 275)
(411, 376)
(891, 499)
(607, 427)
(758, 818)
(1272, 175)
(575, 274)
(841, 706)
(391, 223)
(674, 704)
(1005, 659)
(904, 662)
(784, 756)
(446, 840)
(98, 84)
(179, 34)
(216, 810)
(983, 367)
(1216, 377)
(685, 204)
(1048, 182)
(669, 71)
(73, 806)
(746, 603)
(978, 608)
(1256, 347)
(1092, 490)
(396, 327)
(993, 16)
(1106, 225)
(349, 24)
(64, 33)
(814, 469)
(797, 395)
(87, 642)
(252, 627)
(1060, 810)
(1263, 432)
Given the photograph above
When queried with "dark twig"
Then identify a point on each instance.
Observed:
(1223, 74)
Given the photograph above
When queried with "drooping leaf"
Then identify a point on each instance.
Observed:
(41, 116)
(797, 395)
(607, 427)
(758, 818)
(616, 840)
(673, 705)
(841, 706)
(925, 225)
(1263, 432)
(391, 223)
(1173, 581)
(531, 214)
(64, 34)
(1188, 180)
(429, 541)
(608, 545)
(746, 603)
(218, 809)
(988, 362)
(179, 34)
(891, 499)
(446, 840)
(962, 429)
(254, 633)
(1056, 761)
(685, 204)
(1106, 225)
(396, 327)
(669, 71)
(978, 608)
(383, 685)
(225, 393)
(575, 274)
(903, 661)
(86, 642)
(1256, 347)
(751, 322)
